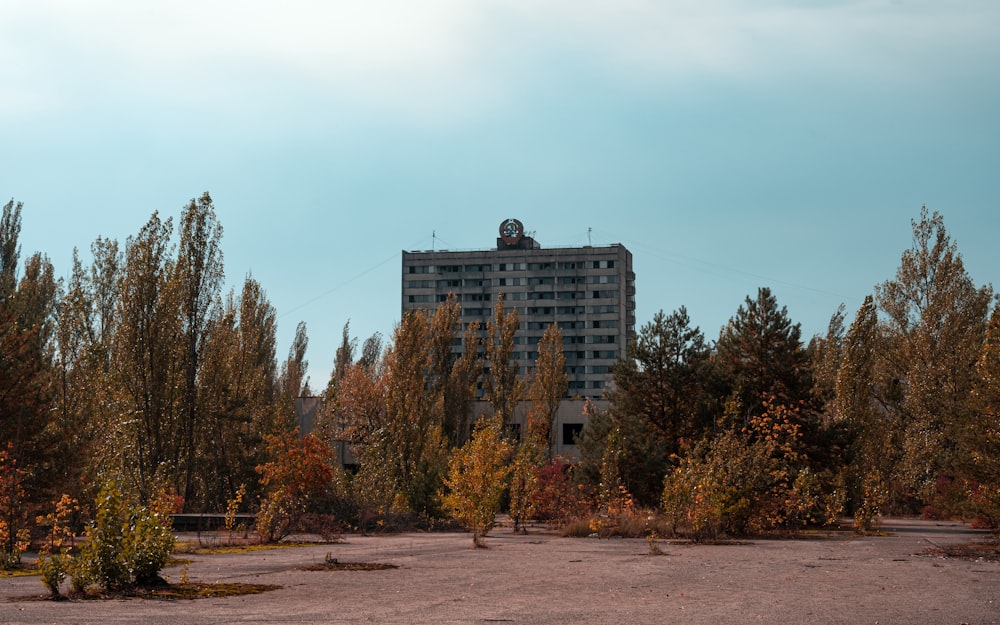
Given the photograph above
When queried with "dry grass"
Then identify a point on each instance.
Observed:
(988, 551)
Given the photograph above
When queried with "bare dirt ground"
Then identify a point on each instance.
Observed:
(543, 579)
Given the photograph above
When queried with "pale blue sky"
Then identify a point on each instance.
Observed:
(728, 144)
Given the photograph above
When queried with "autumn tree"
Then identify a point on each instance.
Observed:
(477, 477)
(198, 273)
(147, 368)
(414, 434)
(452, 376)
(299, 473)
(237, 395)
(982, 436)
(27, 322)
(935, 324)
(503, 385)
(547, 387)
(858, 393)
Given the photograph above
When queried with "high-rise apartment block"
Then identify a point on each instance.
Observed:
(589, 292)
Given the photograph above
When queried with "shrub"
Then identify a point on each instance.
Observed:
(128, 543)
(53, 569)
(557, 498)
(300, 471)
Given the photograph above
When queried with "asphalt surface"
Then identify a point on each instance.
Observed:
(543, 579)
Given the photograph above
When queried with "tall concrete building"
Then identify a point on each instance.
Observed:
(589, 292)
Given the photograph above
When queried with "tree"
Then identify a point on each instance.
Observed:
(547, 388)
(856, 405)
(148, 369)
(935, 324)
(27, 321)
(199, 276)
(826, 353)
(664, 381)
(452, 377)
(294, 382)
(299, 473)
(237, 395)
(983, 434)
(414, 433)
(760, 354)
(477, 477)
(10, 249)
(503, 386)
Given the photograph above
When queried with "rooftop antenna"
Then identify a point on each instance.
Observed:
(589, 242)
(433, 240)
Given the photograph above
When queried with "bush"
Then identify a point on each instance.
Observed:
(53, 569)
(128, 543)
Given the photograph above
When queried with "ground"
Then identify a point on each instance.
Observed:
(901, 577)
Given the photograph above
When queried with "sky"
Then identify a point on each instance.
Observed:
(728, 144)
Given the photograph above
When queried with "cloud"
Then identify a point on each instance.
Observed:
(450, 57)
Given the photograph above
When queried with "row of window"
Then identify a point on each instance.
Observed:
(489, 282)
(575, 385)
(571, 354)
(482, 268)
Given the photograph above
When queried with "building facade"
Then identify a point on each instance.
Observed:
(588, 292)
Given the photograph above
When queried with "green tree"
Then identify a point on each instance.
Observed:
(761, 356)
(664, 381)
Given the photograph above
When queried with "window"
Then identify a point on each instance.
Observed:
(604, 264)
(478, 267)
(605, 294)
(540, 281)
(421, 268)
(450, 269)
(600, 310)
(570, 432)
(612, 279)
(419, 299)
(607, 338)
(514, 431)
(539, 266)
(419, 284)
(570, 310)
